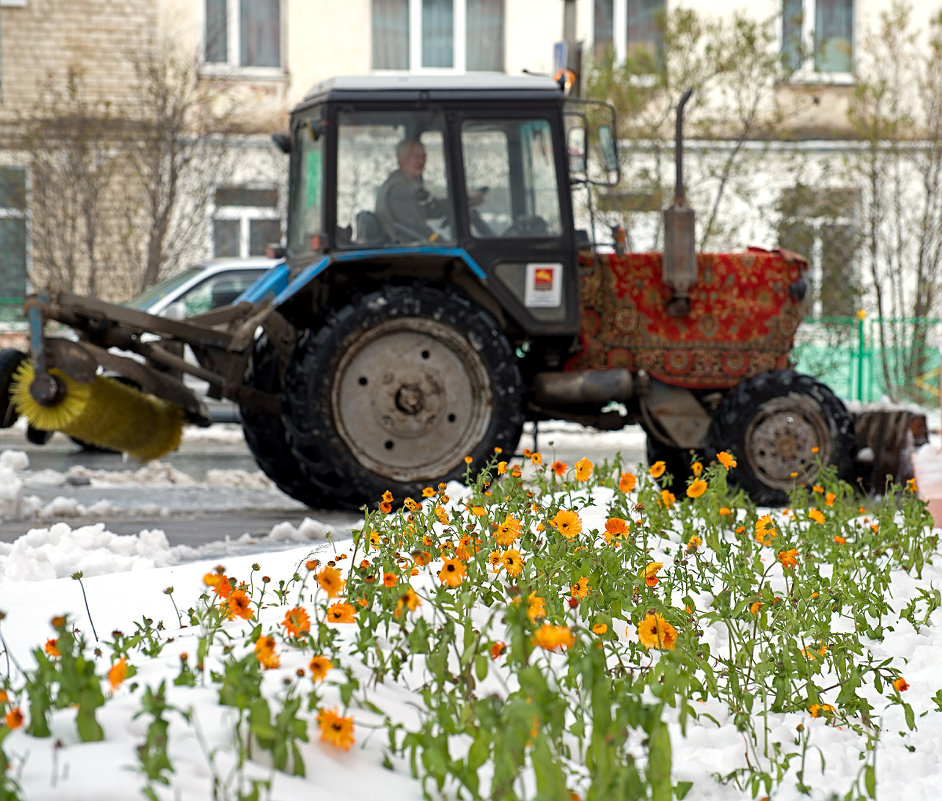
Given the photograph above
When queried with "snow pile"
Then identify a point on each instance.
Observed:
(11, 486)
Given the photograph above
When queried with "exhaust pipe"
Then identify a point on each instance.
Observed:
(679, 262)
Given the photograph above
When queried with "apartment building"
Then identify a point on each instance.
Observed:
(261, 56)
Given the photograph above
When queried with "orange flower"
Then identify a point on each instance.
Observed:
(330, 581)
(615, 527)
(296, 622)
(821, 710)
(696, 488)
(900, 684)
(765, 530)
(554, 638)
(600, 628)
(755, 606)
(452, 572)
(118, 673)
(726, 459)
(627, 482)
(265, 653)
(52, 647)
(501, 468)
(580, 589)
(319, 666)
(655, 632)
(219, 583)
(839, 539)
(335, 729)
(422, 558)
(512, 562)
(537, 458)
(497, 649)
(13, 718)
(238, 604)
(817, 515)
(829, 499)
(536, 607)
(559, 468)
(650, 573)
(583, 469)
(508, 531)
(788, 558)
(341, 613)
(725, 511)
(667, 498)
(408, 600)
(567, 523)
(390, 579)
(657, 469)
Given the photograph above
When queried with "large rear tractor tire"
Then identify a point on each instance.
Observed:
(782, 427)
(396, 389)
(677, 461)
(266, 436)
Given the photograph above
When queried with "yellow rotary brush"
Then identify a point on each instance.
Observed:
(104, 412)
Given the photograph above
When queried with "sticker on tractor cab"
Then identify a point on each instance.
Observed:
(544, 285)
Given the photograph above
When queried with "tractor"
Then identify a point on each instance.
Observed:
(381, 353)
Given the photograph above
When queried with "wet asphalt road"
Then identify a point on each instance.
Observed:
(206, 512)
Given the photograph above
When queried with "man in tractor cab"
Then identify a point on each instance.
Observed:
(403, 204)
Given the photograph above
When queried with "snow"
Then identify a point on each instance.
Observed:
(125, 578)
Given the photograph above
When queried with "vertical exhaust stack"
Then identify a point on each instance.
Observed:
(679, 263)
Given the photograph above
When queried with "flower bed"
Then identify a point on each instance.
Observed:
(546, 631)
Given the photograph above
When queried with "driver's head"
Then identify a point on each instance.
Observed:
(411, 156)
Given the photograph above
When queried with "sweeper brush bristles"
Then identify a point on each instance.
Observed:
(105, 413)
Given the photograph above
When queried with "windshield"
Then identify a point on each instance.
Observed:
(160, 290)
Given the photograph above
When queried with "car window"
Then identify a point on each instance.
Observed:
(217, 290)
(162, 289)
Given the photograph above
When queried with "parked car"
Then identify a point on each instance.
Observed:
(197, 290)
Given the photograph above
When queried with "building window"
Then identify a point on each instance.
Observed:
(626, 26)
(243, 33)
(821, 225)
(245, 221)
(12, 239)
(452, 35)
(818, 35)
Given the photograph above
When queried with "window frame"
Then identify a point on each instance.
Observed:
(10, 212)
(619, 41)
(459, 66)
(232, 64)
(807, 71)
(245, 216)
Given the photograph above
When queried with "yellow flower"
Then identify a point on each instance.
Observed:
(655, 632)
(508, 531)
(667, 498)
(694, 542)
(821, 710)
(600, 628)
(452, 572)
(583, 469)
(816, 515)
(726, 459)
(568, 523)
(657, 469)
(911, 487)
(408, 600)
(696, 468)
(536, 607)
(788, 558)
(552, 638)
(696, 488)
(536, 458)
(580, 588)
(330, 581)
(512, 562)
(335, 729)
(501, 468)
(627, 482)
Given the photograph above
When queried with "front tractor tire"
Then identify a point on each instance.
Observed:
(396, 389)
(782, 427)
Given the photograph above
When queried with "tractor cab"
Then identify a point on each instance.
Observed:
(460, 179)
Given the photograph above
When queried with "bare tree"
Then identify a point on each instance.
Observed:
(897, 115)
